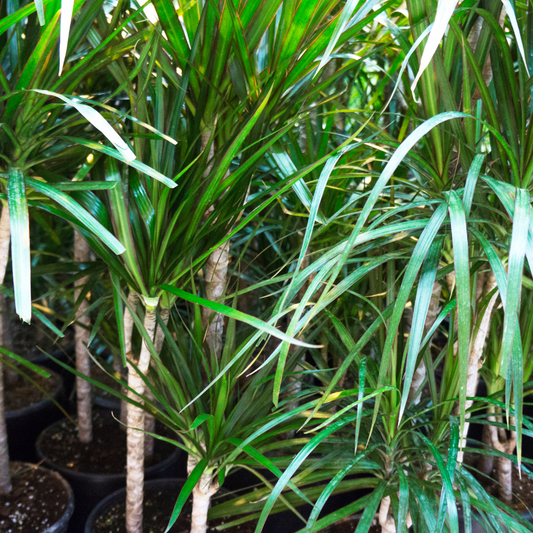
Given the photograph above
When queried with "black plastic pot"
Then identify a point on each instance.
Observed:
(90, 489)
(25, 425)
(61, 526)
(284, 522)
(111, 404)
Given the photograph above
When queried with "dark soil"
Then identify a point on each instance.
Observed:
(158, 506)
(522, 491)
(20, 392)
(105, 454)
(37, 500)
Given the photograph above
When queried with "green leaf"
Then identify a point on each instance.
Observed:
(514, 277)
(471, 181)
(342, 24)
(404, 500)
(193, 478)
(67, 7)
(447, 494)
(295, 464)
(141, 167)
(200, 419)
(95, 118)
(40, 11)
(81, 214)
(462, 273)
(423, 297)
(23, 361)
(20, 242)
(82, 185)
(370, 510)
(236, 315)
(387, 173)
(445, 9)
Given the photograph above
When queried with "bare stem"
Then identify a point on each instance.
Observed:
(5, 478)
(149, 420)
(133, 299)
(475, 357)
(135, 434)
(83, 360)
(201, 497)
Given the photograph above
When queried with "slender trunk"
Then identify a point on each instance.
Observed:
(5, 479)
(149, 420)
(201, 497)
(135, 435)
(486, 463)
(475, 358)
(133, 298)
(386, 521)
(83, 360)
(420, 373)
(216, 271)
(504, 466)
(504, 473)
(164, 313)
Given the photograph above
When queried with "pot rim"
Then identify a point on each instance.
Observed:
(63, 521)
(103, 503)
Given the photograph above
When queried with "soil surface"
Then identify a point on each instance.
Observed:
(20, 392)
(522, 491)
(105, 454)
(158, 506)
(37, 500)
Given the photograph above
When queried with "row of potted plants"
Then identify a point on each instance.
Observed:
(294, 275)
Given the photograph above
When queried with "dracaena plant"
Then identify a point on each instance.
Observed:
(217, 406)
(44, 125)
(227, 90)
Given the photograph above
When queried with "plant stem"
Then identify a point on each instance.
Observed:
(149, 420)
(486, 460)
(82, 335)
(135, 434)
(504, 466)
(216, 271)
(133, 298)
(5, 478)
(201, 497)
(386, 521)
(420, 373)
(474, 358)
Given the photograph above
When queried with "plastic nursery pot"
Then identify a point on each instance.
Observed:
(90, 488)
(109, 507)
(107, 402)
(40, 501)
(24, 424)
